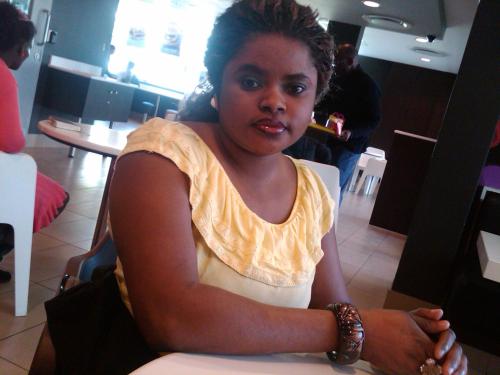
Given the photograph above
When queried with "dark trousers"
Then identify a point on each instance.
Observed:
(345, 160)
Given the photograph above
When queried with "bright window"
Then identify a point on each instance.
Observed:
(165, 39)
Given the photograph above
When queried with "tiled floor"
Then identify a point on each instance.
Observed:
(369, 255)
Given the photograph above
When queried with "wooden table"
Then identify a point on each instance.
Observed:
(96, 139)
(276, 364)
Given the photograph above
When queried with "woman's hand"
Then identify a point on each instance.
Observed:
(394, 342)
(447, 351)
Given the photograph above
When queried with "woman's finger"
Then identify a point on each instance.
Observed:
(462, 369)
(444, 343)
(433, 314)
(452, 360)
(431, 326)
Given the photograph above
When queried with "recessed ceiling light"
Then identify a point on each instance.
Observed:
(428, 52)
(386, 21)
(422, 39)
(371, 4)
(425, 59)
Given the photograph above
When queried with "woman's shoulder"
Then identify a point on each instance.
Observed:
(158, 134)
(173, 140)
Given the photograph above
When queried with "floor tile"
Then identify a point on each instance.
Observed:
(9, 368)
(85, 209)
(42, 241)
(10, 324)
(47, 263)
(354, 253)
(20, 348)
(52, 283)
(68, 216)
(381, 265)
(75, 231)
(84, 245)
(393, 245)
(349, 270)
(365, 300)
(371, 284)
(86, 195)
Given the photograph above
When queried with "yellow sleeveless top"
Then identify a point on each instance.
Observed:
(236, 249)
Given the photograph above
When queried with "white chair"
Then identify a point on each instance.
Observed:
(377, 152)
(17, 202)
(371, 152)
(374, 169)
(330, 176)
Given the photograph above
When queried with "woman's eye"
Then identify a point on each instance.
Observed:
(295, 89)
(249, 83)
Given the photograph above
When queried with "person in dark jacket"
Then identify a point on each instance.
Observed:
(355, 95)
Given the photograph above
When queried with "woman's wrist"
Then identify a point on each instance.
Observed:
(350, 334)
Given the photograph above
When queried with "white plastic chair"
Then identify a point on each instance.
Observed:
(330, 176)
(17, 202)
(377, 152)
(371, 152)
(374, 169)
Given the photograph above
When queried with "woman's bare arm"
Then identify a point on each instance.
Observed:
(329, 285)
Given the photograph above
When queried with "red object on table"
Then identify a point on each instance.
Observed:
(336, 122)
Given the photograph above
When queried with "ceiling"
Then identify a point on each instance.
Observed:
(449, 20)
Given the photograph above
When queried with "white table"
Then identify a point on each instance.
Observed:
(276, 364)
(103, 141)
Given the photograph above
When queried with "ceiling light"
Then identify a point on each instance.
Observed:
(422, 39)
(428, 52)
(371, 4)
(425, 59)
(386, 21)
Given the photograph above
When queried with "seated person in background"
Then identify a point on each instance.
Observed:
(106, 72)
(16, 34)
(225, 244)
(128, 75)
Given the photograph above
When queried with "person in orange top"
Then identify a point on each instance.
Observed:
(16, 34)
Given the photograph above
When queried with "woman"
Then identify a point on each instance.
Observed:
(16, 34)
(226, 245)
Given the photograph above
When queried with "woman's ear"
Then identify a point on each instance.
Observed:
(21, 50)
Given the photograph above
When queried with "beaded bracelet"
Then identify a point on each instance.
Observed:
(351, 334)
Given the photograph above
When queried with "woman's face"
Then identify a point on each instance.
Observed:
(267, 94)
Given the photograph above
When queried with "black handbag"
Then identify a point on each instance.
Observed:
(93, 332)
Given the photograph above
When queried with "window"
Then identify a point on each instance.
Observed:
(165, 39)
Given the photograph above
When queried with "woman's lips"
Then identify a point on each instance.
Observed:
(270, 127)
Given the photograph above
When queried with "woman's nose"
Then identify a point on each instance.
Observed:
(272, 101)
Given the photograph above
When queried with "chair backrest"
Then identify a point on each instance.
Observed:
(375, 167)
(80, 267)
(377, 152)
(330, 176)
(17, 187)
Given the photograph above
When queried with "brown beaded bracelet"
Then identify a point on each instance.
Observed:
(351, 334)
